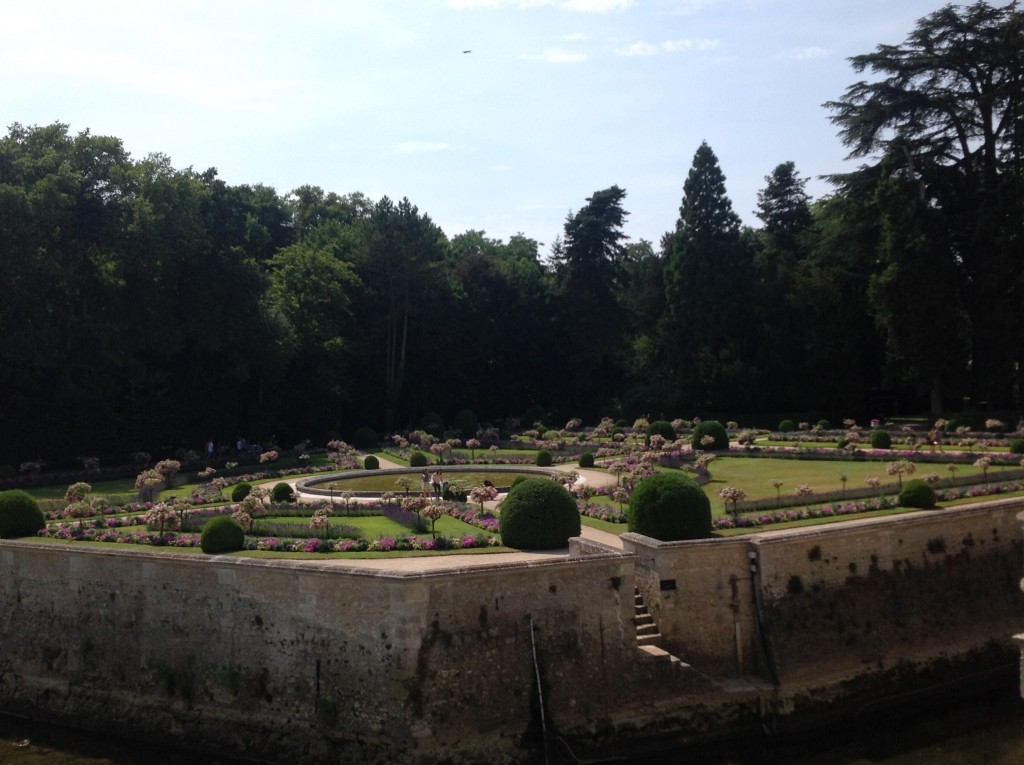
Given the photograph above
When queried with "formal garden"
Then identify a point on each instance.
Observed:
(509, 488)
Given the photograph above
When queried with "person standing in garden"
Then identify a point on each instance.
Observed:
(437, 484)
(425, 479)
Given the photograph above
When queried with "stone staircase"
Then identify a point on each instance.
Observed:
(648, 636)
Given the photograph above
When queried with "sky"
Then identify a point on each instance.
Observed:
(556, 99)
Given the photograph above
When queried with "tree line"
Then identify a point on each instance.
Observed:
(149, 307)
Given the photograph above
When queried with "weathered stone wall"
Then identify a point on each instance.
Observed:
(832, 602)
(311, 660)
(700, 594)
(324, 662)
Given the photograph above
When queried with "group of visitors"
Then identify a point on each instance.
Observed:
(432, 484)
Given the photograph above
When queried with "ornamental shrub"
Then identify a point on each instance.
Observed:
(371, 462)
(241, 491)
(282, 492)
(880, 439)
(534, 414)
(917, 493)
(824, 424)
(786, 426)
(516, 481)
(466, 422)
(20, 515)
(711, 428)
(661, 428)
(587, 460)
(543, 458)
(539, 514)
(433, 424)
(221, 534)
(365, 438)
(1017, 446)
(417, 459)
(669, 507)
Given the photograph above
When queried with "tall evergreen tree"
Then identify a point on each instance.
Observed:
(708, 281)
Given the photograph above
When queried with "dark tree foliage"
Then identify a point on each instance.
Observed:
(708, 286)
(152, 308)
(590, 284)
(943, 116)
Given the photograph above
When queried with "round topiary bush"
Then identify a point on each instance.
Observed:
(587, 460)
(669, 507)
(539, 514)
(717, 432)
(466, 422)
(371, 462)
(221, 534)
(241, 491)
(417, 459)
(787, 426)
(20, 515)
(824, 424)
(917, 493)
(516, 481)
(661, 428)
(1017, 446)
(365, 438)
(282, 492)
(543, 458)
(880, 439)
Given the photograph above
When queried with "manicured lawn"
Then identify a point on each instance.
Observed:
(755, 475)
(377, 526)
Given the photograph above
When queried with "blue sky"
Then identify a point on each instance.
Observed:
(558, 98)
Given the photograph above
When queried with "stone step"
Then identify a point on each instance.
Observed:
(648, 640)
(647, 629)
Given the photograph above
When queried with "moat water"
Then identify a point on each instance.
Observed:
(987, 730)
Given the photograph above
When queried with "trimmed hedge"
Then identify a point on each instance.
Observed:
(417, 459)
(539, 514)
(1017, 446)
(20, 515)
(365, 438)
(669, 507)
(543, 458)
(787, 426)
(880, 439)
(587, 460)
(241, 491)
(714, 429)
(282, 492)
(661, 428)
(221, 534)
(371, 462)
(917, 493)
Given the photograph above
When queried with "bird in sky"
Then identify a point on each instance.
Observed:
(467, 51)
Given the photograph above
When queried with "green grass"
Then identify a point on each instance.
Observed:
(755, 476)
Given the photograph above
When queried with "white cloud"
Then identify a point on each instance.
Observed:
(556, 56)
(575, 37)
(669, 46)
(419, 147)
(803, 54)
(674, 46)
(596, 6)
(578, 6)
(638, 49)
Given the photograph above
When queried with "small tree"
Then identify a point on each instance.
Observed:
(735, 495)
(149, 483)
(433, 511)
